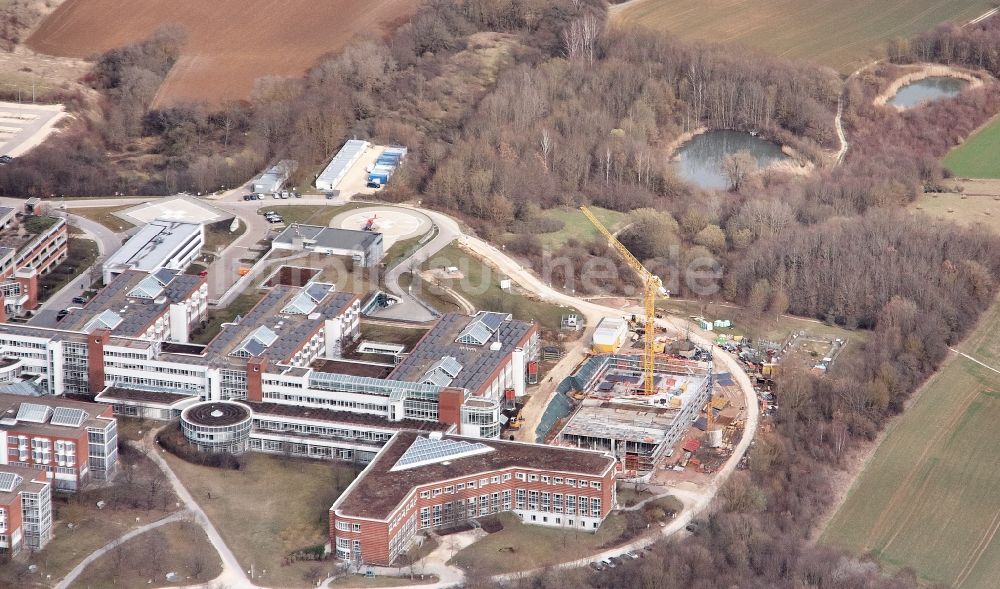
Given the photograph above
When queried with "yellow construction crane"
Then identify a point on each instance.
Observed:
(652, 286)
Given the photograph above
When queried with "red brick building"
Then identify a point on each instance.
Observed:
(420, 481)
(70, 441)
(25, 509)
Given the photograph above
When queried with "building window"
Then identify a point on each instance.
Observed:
(595, 485)
(520, 476)
(437, 492)
(449, 489)
(583, 484)
(343, 526)
(355, 527)
(545, 479)
(472, 484)
(571, 482)
(557, 480)
(483, 482)
(460, 487)
(532, 477)
(425, 494)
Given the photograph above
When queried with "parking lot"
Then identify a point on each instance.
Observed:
(23, 126)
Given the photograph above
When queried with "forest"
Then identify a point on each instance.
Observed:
(512, 108)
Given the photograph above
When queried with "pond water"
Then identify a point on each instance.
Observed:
(700, 160)
(927, 90)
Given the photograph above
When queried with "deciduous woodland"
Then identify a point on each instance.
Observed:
(510, 108)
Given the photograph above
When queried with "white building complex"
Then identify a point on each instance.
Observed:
(160, 244)
(283, 361)
(335, 171)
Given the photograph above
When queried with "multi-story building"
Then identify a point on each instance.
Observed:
(420, 482)
(159, 244)
(25, 509)
(164, 305)
(28, 249)
(283, 360)
(70, 441)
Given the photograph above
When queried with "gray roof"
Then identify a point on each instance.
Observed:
(330, 237)
(345, 158)
(291, 331)
(152, 245)
(126, 298)
(438, 353)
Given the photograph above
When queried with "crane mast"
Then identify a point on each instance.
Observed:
(651, 287)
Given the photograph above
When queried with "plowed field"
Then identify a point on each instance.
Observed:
(230, 43)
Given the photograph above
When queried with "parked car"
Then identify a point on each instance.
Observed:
(5, 159)
(607, 563)
(332, 194)
(297, 194)
(80, 300)
(597, 566)
(61, 314)
(632, 555)
(692, 527)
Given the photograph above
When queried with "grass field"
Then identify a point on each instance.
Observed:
(269, 508)
(962, 209)
(181, 548)
(979, 155)
(230, 43)
(930, 496)
(105, 216)
(576, 226)
(481, 286)
(521, 547)
(841, 34)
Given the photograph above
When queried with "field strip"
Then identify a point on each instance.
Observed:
(953, 418)
(964, 355)
(914, 501)
(977, 554)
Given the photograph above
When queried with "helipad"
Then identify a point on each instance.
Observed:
(178, 208)
(395, 224)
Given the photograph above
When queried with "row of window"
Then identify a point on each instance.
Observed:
(554, 502)
(551, 480)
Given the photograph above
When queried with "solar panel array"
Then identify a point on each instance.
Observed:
(9, 481)
(33, 412)
(482, 328)
(427, 451)
(68, 417)
(443, 371)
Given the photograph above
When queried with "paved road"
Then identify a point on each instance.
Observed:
(232, 574)
(78, 569)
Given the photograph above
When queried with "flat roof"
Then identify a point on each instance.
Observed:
(478, 362)
(125, 298)
(153, 244)
(216, 413)
(621, 422)
(342, 161)
(329, 237)
(379, 489)
(112, 394)
(291, 330)
(11, 404)
(352, 368)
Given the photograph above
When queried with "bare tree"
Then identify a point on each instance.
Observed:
(738, 167)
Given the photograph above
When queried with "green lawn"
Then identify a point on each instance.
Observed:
(271, 507)
(180, 547)
(521, 547)
(576, 226)
(308, 214)
(842, 34)
(81, 255)
(241, 305)
(105, 216)
(929, 499)
(979, 156)
(480, 284)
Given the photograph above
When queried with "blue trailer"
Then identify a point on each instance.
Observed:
(380, 175)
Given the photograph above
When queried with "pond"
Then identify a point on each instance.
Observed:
(699, 161)
(928, 90)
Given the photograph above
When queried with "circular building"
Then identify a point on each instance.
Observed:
(218, 426)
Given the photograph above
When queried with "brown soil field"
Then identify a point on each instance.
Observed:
(230, 43)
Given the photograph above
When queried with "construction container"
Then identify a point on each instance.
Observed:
(610, 335)
(398, 152)
(380, 175)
